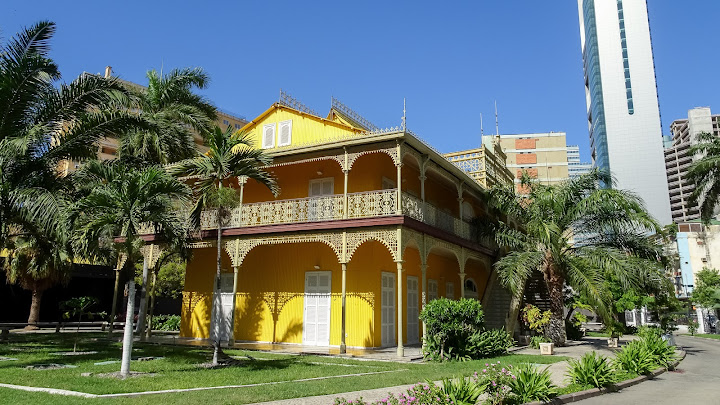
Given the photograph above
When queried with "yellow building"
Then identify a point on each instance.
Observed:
(486, 164)
(370, 225)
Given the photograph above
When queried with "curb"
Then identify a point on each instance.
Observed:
(594, 392)
(701, 337)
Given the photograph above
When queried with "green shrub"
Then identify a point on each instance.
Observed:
(450, 324)
(592, 369)
(490, 343)
(635, 358)
(166, 322)
(495, 381)
(573, 330)
(647, 330)
(536, 340)
(419, 394)
(531, 384)
(663, 354)
(460, 390)
(693, 327)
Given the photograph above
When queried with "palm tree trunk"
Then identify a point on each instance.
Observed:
(128, 334)
(114, 302)
(34, 317)
(152, 303)
(555, 282)
(142, 311)
(217, 306)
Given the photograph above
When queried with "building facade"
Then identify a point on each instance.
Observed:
(544, 156)
(370, 225)
(576, 167)
(678, 160)
(487, 164)
(622, 103)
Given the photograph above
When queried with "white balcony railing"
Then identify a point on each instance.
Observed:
(368, 204)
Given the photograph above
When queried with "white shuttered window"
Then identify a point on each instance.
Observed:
(268, 136)
(285, 137)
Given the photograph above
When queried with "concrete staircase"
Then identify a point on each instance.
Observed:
(497, 305)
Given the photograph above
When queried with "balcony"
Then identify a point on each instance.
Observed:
(370, 204)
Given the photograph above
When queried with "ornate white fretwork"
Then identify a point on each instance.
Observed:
(387, 237)
(375, 204)
(413, 238)
(239, 248)
(412, 207)
(191, 299)
(431, 242)
(288, 211)
(392, 152)
(152, 253)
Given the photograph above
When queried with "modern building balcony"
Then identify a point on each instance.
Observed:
(362, 205)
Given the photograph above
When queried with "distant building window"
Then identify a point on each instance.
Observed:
(237, 126)
(226, 122)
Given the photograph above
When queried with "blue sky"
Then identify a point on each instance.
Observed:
(451, 60)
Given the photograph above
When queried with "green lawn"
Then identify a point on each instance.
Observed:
(709, 336)
(597, 334)
(179, 369)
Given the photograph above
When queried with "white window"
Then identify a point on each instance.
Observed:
(450, 290)
(268, 136)
(285, 137)
(432, 293)
(321, 187)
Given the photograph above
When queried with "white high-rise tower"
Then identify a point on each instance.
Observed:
(621, 93)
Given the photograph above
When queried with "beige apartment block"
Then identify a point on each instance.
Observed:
(107, 148)
(542, 155)
(678, 160)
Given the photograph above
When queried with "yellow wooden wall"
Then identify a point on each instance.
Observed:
(305, 129)
(269, 304)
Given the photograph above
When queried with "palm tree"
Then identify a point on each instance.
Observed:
(231, 154)
(611, 227)
(42, 127)
(705, 173)
(119, 200)
(36, 264)
(172, 113)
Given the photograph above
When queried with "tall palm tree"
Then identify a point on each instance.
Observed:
(119, 200)
(36, 264)
(705, 173)
(611, 227)
(231, 154)
(43, 126)
(173, 113)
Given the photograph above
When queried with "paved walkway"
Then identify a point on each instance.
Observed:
(697, 380)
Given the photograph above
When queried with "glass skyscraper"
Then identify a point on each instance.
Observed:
(621, 93)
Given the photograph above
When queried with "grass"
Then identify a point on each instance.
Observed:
(179, 369)
(597, 334)
(707, 335)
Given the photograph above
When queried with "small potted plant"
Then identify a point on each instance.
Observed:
(615, 331)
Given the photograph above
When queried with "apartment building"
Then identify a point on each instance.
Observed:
(487, 164)
(678, 160)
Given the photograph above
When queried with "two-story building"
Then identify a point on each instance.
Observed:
(370, 224)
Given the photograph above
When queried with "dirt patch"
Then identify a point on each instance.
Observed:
(49, 366)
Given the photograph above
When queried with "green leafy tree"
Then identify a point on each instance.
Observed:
(707, 289)
(231, 155)
(540, 226)
(77, 308)
(43, 126)
(118, 201)
(705, 173)
(172, 114)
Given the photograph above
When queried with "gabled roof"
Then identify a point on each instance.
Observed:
(277, 106)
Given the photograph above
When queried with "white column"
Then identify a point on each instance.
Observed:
(345, 195)
(343, 319)
(399, 189)
(236, 273)
(400, 346)
(423, 299)
(701, 320)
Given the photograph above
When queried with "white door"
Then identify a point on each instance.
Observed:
(320, 206)
(450, 290)
(226, 304)
(413, 312)
(388, 309)
(316, 320)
